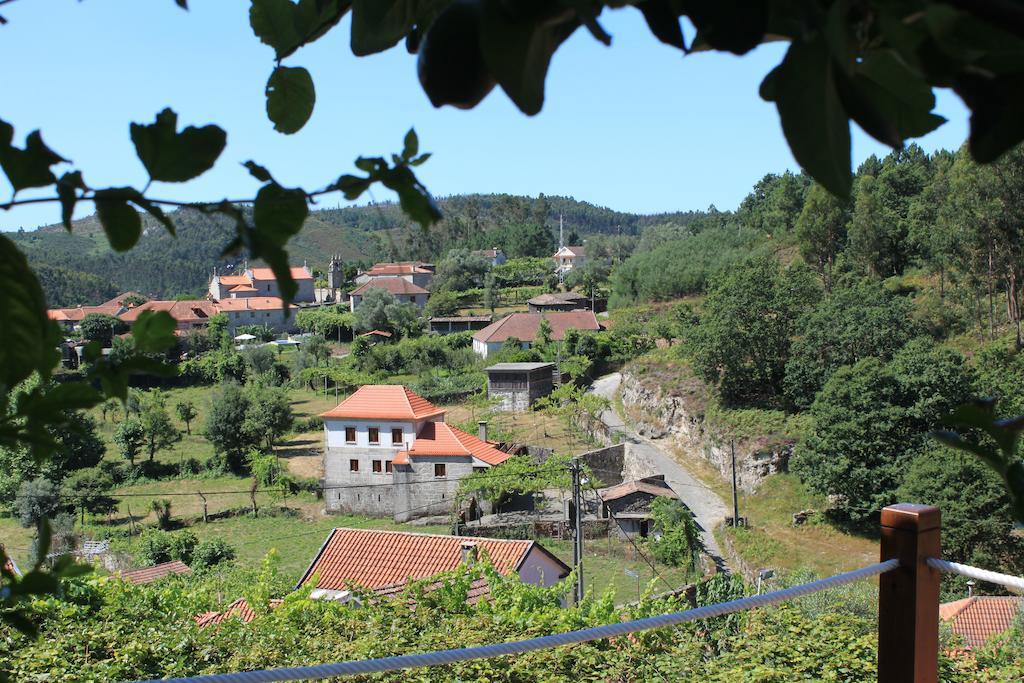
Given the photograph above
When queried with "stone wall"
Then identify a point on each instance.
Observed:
(656, 414)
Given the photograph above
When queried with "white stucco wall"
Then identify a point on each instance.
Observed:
(334, 431)
(540, 570)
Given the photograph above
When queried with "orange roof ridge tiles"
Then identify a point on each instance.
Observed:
(373, 558)
(395, 285)
(157, 571)
(440, 438)
(976, 619)
(238, 609)
(182, 311)
(298, 273)
(384, 402)
(524, 326)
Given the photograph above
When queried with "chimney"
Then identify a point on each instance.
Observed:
(481, 429)
(469, 552)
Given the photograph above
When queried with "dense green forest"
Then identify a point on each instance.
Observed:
(79, 268)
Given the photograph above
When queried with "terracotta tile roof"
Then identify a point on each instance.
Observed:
(385, 402)
(253, 303)
(231, 280)
(239, 609)
(77, 313)
(406, 268)
(575, 251)
(116, 301)
(243, 288)
(460, 319)
(478, 590)
(194, 310)
(377, 559)
(440, 438)
(395, 285)
(376, 333)
(298, 273)
(650, 486)
(158, 571)
(524, 326)
(978, 618)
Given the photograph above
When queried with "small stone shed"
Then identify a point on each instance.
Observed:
(630, 503)
(518, 385)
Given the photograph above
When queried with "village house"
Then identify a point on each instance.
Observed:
(260, 282)
(518, 385)
(495, 256)
(385, 561)
(403, 290)
(559, 301)
(524, 327)
(629, 503)
(266, 311)
(567, 258)
(70, 318)
(417, 272)
(189, 315)
(389, 452)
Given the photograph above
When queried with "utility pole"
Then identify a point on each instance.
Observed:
(735, 499)
(577, 520)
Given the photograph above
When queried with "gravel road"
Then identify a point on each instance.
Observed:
(707, 507)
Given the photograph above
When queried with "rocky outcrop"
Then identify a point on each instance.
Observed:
(675, 411)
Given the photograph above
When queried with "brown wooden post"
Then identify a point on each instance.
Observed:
(908, 597)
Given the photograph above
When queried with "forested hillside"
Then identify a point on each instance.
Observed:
(870, 321)
(79, 268)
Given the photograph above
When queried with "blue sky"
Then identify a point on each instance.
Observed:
(636, 127)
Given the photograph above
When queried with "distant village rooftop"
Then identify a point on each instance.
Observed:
(384, 402)
(524, 326)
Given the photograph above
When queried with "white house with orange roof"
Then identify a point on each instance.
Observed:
(266, 311)
(388, 451)
(260, 282)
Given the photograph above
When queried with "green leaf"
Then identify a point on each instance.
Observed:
(411, 145)
(44, 534)
(174, 157)
(737, 26)
(258, 172)
(352, 186)
(30, 337)
(67, 396)
(379, 24)
(37, 583)
(899, 94)
(19, 621)
(120, 221)
(29, 167)
(997, 113)
(414, 199)
(813, 118)
(286, 26)
(154, 211)
(290, 98)
(278, 213)
(67, 193)
(153, 331)
(518, 53)
(663, 21)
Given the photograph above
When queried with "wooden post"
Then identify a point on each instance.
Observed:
(908, 597)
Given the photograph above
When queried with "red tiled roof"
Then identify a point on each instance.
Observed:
(231, 280)
(385, 402)
(524, 326)
(440, 438)
(158, 571)
(639, 485)
(239, 609)
(478, 590)
(253, 303)
(978, 618)
(407, 268)
(298, 273)
(376, 333)
(575, 251)
(395, 285)
(116, 301)
(243, 288)
(183, 311)
(77, 313)
(377, 559)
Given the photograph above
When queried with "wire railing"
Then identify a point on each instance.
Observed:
(442, 657)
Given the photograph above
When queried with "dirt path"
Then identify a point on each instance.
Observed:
(707, 507)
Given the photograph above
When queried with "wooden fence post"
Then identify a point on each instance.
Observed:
(908, 597)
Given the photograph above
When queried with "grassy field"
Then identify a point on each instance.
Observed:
(771, 540)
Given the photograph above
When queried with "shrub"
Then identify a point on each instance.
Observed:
(36, 499)
(156, 547)
(211, 552)
(162, 508)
